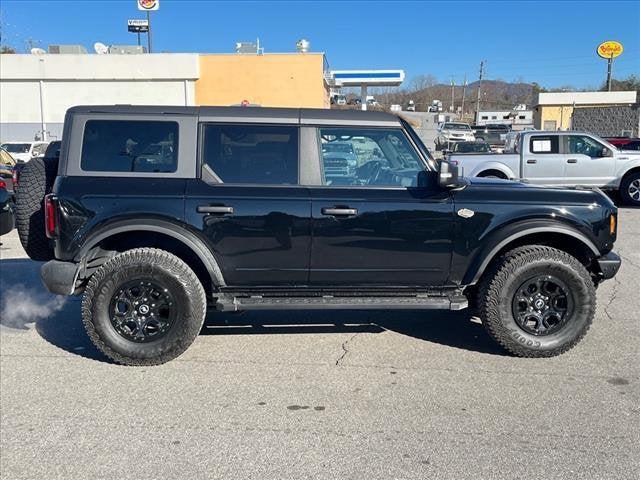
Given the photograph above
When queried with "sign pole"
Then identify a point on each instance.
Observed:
(609, 72)
(149, 32)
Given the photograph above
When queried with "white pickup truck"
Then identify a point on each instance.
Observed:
(561, 158)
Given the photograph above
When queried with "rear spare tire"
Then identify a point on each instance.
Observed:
(143, 307)
(537, 301)
(36, 180)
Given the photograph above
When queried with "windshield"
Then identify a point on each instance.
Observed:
(16, 147)
(456, 126)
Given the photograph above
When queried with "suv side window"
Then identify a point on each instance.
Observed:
(547, 144)
(252, 154)
(130, 146)
(359, 157)
(583, 145)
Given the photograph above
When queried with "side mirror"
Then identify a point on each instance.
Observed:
(448, 175)
(606, 152)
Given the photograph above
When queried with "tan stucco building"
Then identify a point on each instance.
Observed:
(268, 80)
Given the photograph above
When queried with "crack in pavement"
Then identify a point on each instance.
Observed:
(612, 297)
(344, 348)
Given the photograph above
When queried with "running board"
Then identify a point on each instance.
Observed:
(227, 303)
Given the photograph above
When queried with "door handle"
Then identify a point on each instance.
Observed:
(339, 211)
(532, 160)
(572, 160)
(221, 210)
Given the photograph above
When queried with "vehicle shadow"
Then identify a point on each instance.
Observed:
(25, 304)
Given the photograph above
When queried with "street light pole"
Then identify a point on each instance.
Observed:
(149, 32)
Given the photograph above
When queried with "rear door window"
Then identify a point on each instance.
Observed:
(252, 154)
(130, 146)
(547, 144)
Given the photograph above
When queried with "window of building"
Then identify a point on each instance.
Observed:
(360, 157)
(252, 154)
(485, 117)
(544, 144)
(130, 146)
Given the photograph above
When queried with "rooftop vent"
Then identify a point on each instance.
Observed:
(73, 49)
(303, 45)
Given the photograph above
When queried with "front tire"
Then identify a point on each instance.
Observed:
(630, 189)
(537, 301)
(143, 307)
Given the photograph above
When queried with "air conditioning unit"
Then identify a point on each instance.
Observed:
(67, 49)
(127, 49)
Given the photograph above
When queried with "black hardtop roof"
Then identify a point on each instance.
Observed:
(253, 114)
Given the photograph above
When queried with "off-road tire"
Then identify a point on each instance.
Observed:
(36, 180)
(135, 264)
(624, 189)
(499, 286)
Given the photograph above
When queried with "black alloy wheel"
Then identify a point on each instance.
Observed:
(542, 305)
(142, 310)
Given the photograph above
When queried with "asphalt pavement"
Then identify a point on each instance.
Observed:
(323, 395)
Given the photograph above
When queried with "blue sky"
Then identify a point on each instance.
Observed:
(546, 41)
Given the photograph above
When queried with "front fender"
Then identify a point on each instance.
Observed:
(505, 235)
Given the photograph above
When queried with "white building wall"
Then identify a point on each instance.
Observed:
(68, 80)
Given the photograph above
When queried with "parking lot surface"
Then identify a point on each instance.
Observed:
(357, 395)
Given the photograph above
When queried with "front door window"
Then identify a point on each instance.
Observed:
(368, 157)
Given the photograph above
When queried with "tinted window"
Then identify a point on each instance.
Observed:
(544, 144)
(381, 157)
(16, 147)
(263, 155)
(584, 145)
(130, 146)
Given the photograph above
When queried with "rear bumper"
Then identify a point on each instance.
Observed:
(60, 277)
(609, 265)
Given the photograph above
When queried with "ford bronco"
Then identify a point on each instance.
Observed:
(155, 214)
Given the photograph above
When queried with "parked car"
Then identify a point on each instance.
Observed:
(631, 146)
(253, 222)
(339, 160)
(52, 153)
(7, 220)
(621, 142)
(562, 159)
(494, 135)
(25, 151)
(451, 132)
(338, 99)
(7, 164)
(466, 148)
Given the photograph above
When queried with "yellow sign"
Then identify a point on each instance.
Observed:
(610, 49)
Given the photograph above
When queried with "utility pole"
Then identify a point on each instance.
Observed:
(464, 91)
(479, 87)
(453, 86)
(149, 32)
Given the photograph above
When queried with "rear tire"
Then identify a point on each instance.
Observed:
(143, 307)
(512, 306)
(36, 180)
(630, 189)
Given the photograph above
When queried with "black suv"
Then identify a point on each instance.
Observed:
(156, 213)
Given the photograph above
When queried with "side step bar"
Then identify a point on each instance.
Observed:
(227, 303)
